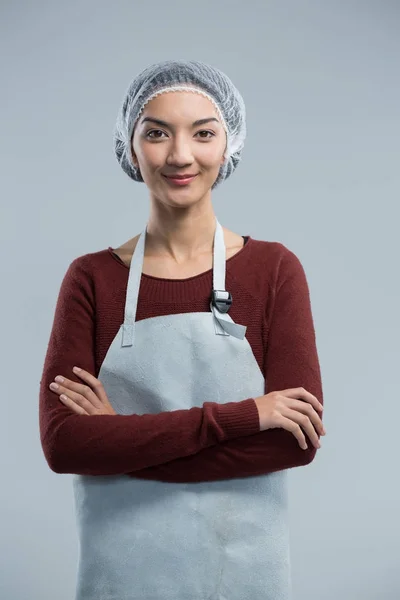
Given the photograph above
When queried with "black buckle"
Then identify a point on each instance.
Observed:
(221, 302)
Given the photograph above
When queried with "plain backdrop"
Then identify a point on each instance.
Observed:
(320, 174)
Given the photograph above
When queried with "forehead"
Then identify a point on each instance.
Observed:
(180, 106)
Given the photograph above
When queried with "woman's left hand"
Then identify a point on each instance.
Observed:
(80, 397)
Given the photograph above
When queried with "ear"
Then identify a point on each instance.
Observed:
(133, 155)
(224, 157)
(134, 158)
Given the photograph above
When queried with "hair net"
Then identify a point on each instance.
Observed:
(182, 75)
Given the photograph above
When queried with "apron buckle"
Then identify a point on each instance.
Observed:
(222, 300)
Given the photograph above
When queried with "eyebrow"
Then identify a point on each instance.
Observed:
(165, 124)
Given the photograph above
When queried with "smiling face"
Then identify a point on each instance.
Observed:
(179, 133)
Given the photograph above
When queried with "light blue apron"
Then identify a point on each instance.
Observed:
(153, 540)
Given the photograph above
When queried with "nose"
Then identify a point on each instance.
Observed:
(180, 152)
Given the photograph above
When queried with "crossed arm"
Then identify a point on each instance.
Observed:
(192, 445)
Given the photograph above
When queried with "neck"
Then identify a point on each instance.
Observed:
(180, 234)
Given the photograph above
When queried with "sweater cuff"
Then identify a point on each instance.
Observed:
(238, 419)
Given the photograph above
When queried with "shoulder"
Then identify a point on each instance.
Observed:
(276, 259)
(88, 267)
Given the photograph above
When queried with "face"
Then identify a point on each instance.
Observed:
(168, 140)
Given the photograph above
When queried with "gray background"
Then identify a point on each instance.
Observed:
(320, 173)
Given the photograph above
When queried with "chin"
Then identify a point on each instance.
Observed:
(182, 198)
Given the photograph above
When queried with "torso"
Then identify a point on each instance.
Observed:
(164, 267)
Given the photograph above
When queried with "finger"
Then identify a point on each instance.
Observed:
(293, 428)
(82, 401)
(304, 422)
(94, 383)
(72, 405)
(308, 410)
(300, 392)
(81, 389)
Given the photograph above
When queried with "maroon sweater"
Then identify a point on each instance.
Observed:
(213, 442)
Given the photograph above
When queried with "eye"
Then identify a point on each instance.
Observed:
(154, 131)
(206, 131)
(157, 131)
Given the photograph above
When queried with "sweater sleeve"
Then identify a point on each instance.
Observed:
(291, 360)
(117, 444)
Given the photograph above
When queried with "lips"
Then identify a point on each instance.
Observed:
(187, 176)
(179, 180)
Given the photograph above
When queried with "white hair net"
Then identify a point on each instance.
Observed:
(182, 75)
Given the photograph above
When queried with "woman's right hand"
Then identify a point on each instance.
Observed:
(292, 409)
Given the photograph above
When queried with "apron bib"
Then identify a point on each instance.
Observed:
(153, 540)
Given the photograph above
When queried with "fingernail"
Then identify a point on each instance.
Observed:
(76, 369)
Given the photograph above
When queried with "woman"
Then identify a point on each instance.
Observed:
(201, 342)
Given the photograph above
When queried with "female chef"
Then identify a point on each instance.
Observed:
(199, 384)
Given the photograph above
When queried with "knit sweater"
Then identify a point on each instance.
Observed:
(215, 441)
